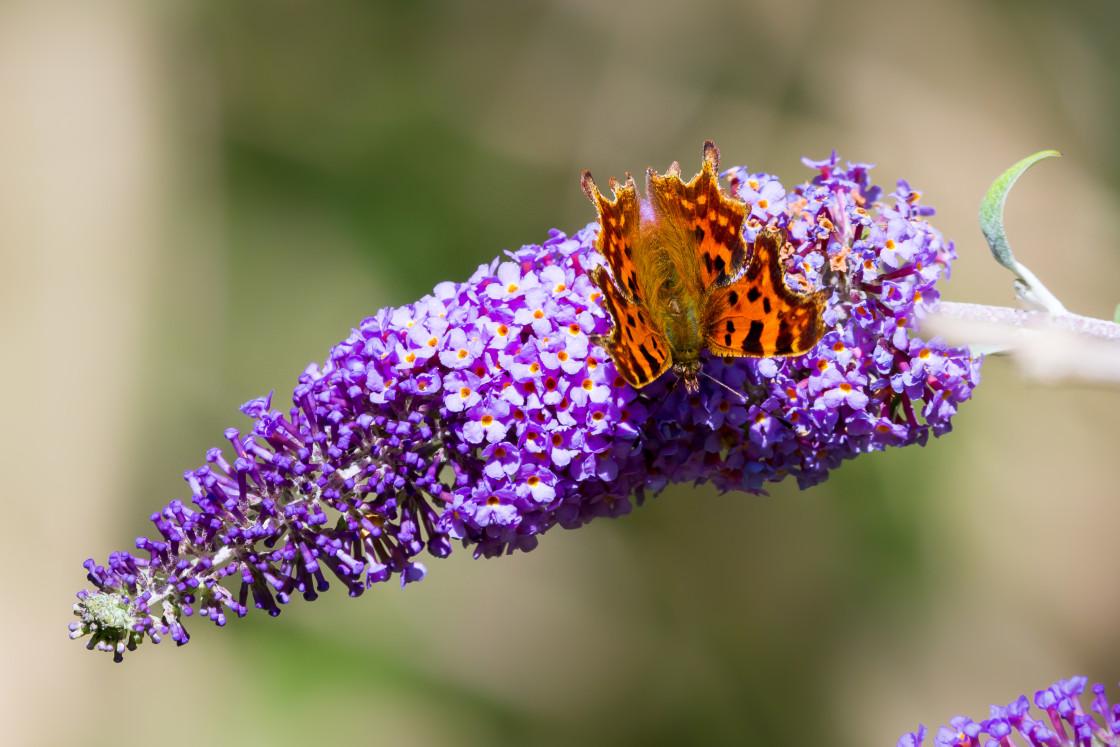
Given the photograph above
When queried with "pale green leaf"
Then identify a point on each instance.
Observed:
(991, 209)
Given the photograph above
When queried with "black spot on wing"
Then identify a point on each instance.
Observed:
(784, 343)
(638, 374)
(733, 298)
(753, 294)
(808, 337)
(752, 344)
(766, 305)
(624, 361)
(727, 339)
(753, 270)
(654, 364)
(730, 326)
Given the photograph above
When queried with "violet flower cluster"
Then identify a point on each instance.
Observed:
(1065, 723)
(483, 413)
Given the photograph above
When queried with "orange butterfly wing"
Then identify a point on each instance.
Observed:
(758, 314)
(639, 349)
(707, 218)
(619, 223)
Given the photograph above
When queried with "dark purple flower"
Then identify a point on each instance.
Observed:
(483, 413)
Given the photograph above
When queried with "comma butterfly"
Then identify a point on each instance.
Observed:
(684, 281)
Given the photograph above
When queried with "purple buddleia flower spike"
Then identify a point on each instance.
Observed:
(1060, 704)
(484, 413)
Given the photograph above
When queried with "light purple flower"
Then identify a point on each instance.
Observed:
(1069, 724)
(488, 421)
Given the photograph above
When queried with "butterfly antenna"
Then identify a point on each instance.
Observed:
(740, 395)
(661, 402)
(745, 399)
(780, 419)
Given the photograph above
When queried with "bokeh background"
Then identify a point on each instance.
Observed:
(198, 199)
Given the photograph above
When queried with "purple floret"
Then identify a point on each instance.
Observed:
(483, 413)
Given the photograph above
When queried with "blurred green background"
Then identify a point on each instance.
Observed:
(198, 199)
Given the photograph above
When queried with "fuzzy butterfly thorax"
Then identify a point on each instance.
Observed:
(683, 280)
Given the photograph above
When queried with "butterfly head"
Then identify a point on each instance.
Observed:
(688, 372)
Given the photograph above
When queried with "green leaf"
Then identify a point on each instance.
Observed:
(991, 209)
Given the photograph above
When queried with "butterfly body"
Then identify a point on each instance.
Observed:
(684, 282)
(677, 305)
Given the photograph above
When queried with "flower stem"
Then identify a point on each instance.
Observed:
(1083, 326)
